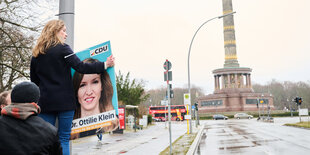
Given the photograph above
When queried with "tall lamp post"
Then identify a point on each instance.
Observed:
(189, 52)
(289, 103)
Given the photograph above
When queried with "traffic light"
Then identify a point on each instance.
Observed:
(171, 92)
(298, 100)
(196, 106)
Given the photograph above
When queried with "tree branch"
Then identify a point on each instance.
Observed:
(20, 72)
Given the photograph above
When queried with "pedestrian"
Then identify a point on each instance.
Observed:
(50, 69)
(5, 99)
(21, 130)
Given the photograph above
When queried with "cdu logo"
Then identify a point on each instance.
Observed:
(99, 50)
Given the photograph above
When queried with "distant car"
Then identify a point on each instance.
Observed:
(219, 116)
(242, 115)
(156, 119)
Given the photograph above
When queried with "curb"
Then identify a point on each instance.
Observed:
(194, 145)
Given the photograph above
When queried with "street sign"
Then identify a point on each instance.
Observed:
(187, 116)
(164, 102)
(187, 99)
(303, 112)
(167, 65)
(169, 76)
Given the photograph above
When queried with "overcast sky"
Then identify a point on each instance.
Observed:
(272, 38)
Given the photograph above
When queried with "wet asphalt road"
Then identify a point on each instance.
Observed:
(251, 137)
(149, 141)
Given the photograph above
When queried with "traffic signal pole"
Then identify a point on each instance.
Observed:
(299, 113)
(167, 67)
(298, 101)
(169, 114)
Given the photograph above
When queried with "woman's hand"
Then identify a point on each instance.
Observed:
(110, 61)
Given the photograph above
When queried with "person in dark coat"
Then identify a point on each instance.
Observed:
(50, 69)
(22, 132)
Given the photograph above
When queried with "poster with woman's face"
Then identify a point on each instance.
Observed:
(96, 94)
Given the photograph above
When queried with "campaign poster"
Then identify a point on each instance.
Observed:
(97, 107)
(121, 118)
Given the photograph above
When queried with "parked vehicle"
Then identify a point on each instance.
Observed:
(219, 116)
(242, 115)
(156, 119)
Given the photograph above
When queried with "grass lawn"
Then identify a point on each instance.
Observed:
(181, 145)
(300, 124)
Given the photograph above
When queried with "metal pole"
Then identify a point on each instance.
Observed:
(290, 108)
(198, 117)
(258, 108)
(166, 115)
(134, 115)
(263, 106)
(188, 68)
(169, 110)
(66, 13)
(299, 113)
(196, 114)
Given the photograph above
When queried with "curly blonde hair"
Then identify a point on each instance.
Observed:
(48, 37)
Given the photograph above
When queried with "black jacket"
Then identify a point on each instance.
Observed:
(32, 136)
(52, 73)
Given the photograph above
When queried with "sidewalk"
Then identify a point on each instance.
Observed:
(151, 141)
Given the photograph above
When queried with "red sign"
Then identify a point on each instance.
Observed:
(121, 116)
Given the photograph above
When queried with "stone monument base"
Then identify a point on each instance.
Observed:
(235, 101)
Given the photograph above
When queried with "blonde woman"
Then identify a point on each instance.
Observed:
(50, 69)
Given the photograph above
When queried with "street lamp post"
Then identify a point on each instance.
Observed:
(258, 107)
(189, 52)
(289, 103)
(263, 106)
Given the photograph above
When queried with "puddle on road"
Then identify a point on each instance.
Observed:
(221, 131)
(265, 142)
(232, 147)
(230, 141)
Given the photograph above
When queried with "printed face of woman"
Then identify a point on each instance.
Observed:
(89, 93)
(62, 34)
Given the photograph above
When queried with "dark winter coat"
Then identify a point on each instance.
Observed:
(28, 137)
(52, 73)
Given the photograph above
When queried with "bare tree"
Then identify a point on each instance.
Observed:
(285, 92)
(20, 21)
